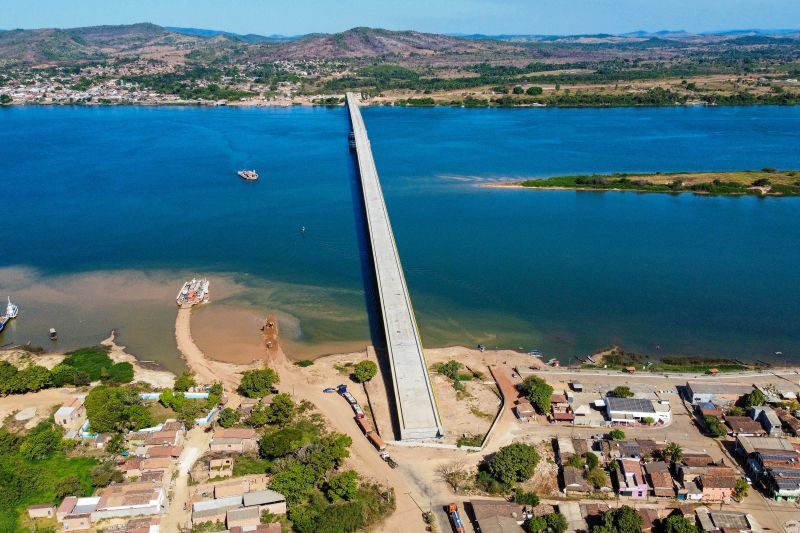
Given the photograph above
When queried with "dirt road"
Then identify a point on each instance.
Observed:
(178, 513)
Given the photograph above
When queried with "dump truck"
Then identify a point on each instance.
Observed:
(391, 462)
(376, 441)
(364, 425)
(455, 518)
(358, 411)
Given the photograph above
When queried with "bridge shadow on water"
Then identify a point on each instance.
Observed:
(370, 283)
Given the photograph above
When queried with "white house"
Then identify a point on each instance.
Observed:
(632, 410)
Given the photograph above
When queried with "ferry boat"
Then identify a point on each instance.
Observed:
(11, 312)
(249, 175)
(194, 291)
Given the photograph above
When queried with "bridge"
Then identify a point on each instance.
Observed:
(416, 405)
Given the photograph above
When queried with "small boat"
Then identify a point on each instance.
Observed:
(53, 334)
(11, 312)
(248, 175)
(535, 353)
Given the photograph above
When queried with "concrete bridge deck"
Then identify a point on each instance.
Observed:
(416, 405)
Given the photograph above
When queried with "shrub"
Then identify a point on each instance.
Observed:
(228, 417)
(365, 371)
(597, 477)
(512, 463)
(575, 461)
(523, 497)
(343, 486)
(121, 373)
(92, 361)
(591, 460)
(616, 434)
(185, 382)
(622, 392)
(715, 426)
(534, 91)
(304, 363)
(281, 411)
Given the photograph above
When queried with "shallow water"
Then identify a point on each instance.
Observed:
(113, 207)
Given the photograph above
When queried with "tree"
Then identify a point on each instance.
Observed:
(597, 477)
(538, 392)
(512, 463)
(517, 90)
(622, 392)
(741, 489)
(450, 369)
(5, 99)
(648, 420)
(295, 482)
(365, 371)
(68, 486)
(63, 375)
(575, 461)
(591, 460)
(754, 399)
(258, 383)
(523, 497)
(282, 442)
(678, 524)
(537, 524)
(112, 409)
(33, 378)
(281, 411)
(622, 520)
(534, 91)
(105, 474)
(228, 417)
(715, 426)
(616, 434)
(673, 452)
(82, 378)
(257, 417)
(185, 382)
(343, 486)
(557, 522)
(116, 444)
(735, 410)
(41, 444)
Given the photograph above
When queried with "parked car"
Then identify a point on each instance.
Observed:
(329, 389)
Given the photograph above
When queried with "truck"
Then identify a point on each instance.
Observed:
(364, 425)
(455, 518)
(376, 441)
(358, 411)
(391, 462)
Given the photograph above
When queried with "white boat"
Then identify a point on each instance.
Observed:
(249, 175)
(11, 310)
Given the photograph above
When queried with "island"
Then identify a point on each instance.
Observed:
(764, 182)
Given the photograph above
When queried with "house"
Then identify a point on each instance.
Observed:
(746, 446)
(499, 516)
(163, 438)
(649, 448)
(266, 500)
(42, 510)
(524, 410)
(660, 479)
(574, 482)
(132, 467)
(565, 449)
(649, 518)
(746, 426)
(725, 521)
(70, 413)
(760, 462)
(783, 484)
(630, 479)
(717, 486)
(235, 440)
(245, 517)
(164, 451)
(66, 507)
(76, 522)
(559, 401)
(716, 392)
(790, 423)
(214, 510)
(575, 386)
(232, 488)
(637, 410)
(581, 446)
(246, 406)
(769, 419)
(704, 409)
(129, 499)
(155, 464)
(274, 527)
(562, 417)
(690, 491)
(220, 467)
(696, 459)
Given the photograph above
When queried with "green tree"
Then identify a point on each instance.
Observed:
(228, 417)
(116, 444)
(258, 383)
(5, 99)
(557, 522)
(282, 442)
(523, 497)
(575, 461)
(741, 489)
(673, 452)
(63, 375)
(7, 375)
(105, 474)
(365, 371)
(184, 382)
(512, 463)
(715, 426)
(257, 417)
(754, 399)
(597, 477)
(68, 486)
(592, 460)
(282, 410)
(735, 410)
(450, 369)
(538, 392)
(616, 434)
(33, 378)
(537, 524)
(343, 486)
(295, 482)
(622, 392)
(534, 91)
(112, 409)
(622, 520)
(82, 378)
(678, 524)
(41, 444)
(517, 90)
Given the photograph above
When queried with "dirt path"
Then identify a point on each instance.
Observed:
(43, 401)
(363, 457)
(178, 514)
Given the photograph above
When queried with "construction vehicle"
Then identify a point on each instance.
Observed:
(376, 441)
(455, 518)
(391, 462)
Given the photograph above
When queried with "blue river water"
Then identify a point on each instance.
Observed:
(136, 189)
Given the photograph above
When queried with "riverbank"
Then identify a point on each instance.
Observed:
(764, 182)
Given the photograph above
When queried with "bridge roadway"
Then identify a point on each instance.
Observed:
(416, 405)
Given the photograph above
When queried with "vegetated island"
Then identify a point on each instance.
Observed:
(764, 182)
(615, 358)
